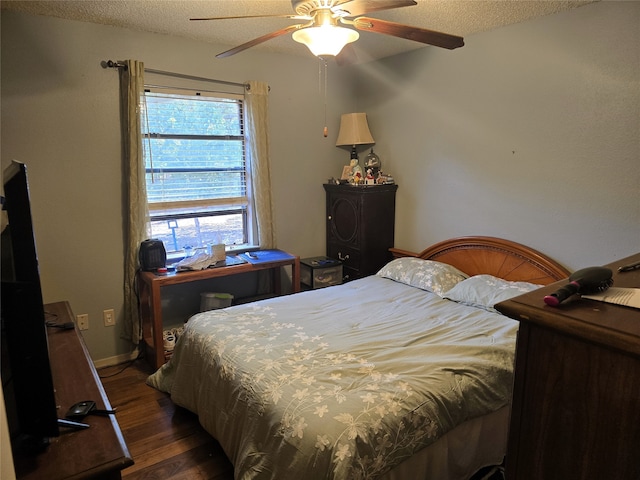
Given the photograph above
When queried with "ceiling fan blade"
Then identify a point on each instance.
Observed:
(422, 35)
(259, 40)
(360, 7)
(295, 17)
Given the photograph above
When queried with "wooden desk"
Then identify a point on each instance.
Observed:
(576, 399)
(150, 284)
(98, 452)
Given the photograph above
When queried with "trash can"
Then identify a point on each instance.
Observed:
(213, 301)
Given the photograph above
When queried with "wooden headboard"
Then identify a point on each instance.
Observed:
(493, 256)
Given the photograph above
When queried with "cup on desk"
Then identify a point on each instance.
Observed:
(218, 252)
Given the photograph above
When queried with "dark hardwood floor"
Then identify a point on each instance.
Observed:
(165, 441)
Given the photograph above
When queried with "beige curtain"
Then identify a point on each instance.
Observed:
(257, 134)
(136, 211)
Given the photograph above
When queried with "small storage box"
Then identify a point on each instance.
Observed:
(318, 272)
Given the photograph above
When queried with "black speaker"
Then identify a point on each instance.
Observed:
(152, 255)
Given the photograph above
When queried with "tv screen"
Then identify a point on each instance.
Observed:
(26, 372)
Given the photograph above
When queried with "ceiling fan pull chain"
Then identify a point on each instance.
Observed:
(322, 62)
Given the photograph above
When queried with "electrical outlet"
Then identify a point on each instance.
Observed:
(109, 317)
(83, 321)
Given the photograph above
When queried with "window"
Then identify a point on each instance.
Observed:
(198, 183)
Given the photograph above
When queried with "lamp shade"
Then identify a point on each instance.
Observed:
(325, 39)
(354, 130)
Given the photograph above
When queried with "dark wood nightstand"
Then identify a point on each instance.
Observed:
(576, 399)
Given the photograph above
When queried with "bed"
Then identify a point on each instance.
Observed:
(402, 374)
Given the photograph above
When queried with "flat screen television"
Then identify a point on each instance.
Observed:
(26, 372)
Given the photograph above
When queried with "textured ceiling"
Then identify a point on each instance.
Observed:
(171, 17)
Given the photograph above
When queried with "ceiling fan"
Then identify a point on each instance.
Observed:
(324, 35)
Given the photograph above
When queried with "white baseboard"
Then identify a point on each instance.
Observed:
(117, 360)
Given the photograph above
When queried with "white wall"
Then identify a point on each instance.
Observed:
(60, 116)
(530, 132)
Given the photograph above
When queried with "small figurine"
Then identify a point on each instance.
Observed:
(369, 180)
(355, 168)
(384, 179)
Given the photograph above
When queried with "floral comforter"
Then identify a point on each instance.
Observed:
(343, 382)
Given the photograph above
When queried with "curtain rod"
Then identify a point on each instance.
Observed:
(118, 64)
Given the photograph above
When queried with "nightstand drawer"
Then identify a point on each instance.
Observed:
(318, 272)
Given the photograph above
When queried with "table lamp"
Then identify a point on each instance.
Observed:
(354, 130)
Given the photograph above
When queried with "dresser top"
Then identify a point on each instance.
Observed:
(598, 322)
(387, 187)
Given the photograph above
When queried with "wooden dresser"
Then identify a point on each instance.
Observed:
(576, 399)
(99, 452)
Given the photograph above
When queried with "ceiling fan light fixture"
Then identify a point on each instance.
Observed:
(326, 39)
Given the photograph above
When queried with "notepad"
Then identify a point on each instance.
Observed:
(629, 297)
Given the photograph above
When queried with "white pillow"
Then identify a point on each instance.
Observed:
(436, 277)
(484, 291)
